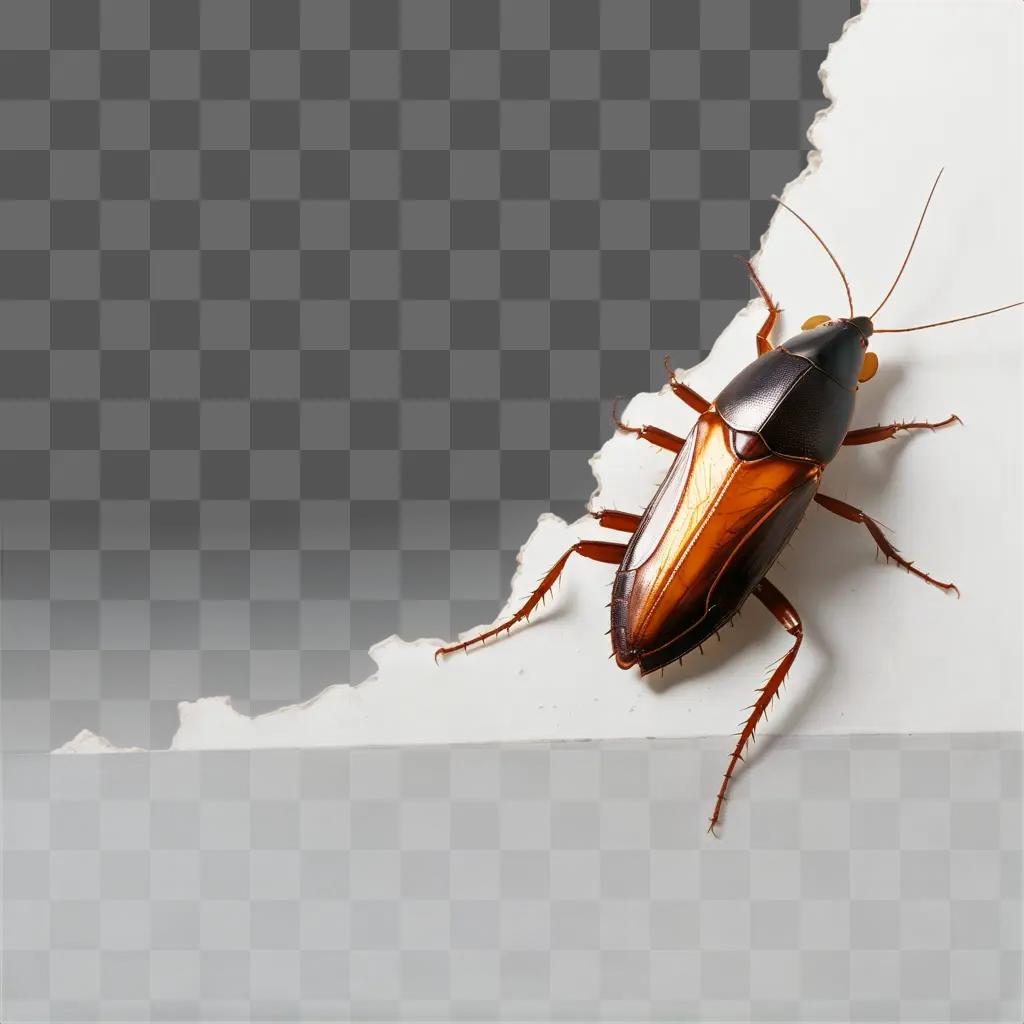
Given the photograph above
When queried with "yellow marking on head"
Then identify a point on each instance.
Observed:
(869, 367)
(814, 321)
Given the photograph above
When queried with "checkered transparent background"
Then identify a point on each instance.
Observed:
(856, 879)
(309, 307)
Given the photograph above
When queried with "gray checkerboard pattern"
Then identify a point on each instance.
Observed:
(857, 879)
(309, 307)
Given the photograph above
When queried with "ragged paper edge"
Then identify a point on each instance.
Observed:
(811, 165)
(223, 725)
(88, 742)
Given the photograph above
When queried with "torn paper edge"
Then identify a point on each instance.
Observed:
(218, 713)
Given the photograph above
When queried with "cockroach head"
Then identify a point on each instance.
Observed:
(837, 347)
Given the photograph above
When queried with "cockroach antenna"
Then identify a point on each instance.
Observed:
(821, 242)
(906, 259)
(942, 323)
(903, 266)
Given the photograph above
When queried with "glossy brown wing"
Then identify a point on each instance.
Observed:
(712, 531)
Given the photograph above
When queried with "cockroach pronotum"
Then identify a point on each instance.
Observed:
(740, 484)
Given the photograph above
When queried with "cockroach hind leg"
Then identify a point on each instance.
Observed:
(787, 616)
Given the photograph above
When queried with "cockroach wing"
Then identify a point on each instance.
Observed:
(713, 529)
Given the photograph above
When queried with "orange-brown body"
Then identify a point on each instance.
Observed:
(726, 508)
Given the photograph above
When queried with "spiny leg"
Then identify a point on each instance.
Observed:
(764, 343)
(787, 615)
(869, 435)
(688, 395)
(657, 436)
(626, 522)
(598, 550)
(855, 515)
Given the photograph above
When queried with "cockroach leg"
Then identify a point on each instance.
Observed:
(611, 518)
(688, 395)
(787, 615)
(855, 515)
(869, 435)
(655, 435)
(598, 550)
(764, 343)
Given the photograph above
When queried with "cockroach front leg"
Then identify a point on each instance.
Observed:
(764, 343)
(869, 435)
(656, 436)
(787, 615)
(598, 550)
(855, 515)
(696, 402)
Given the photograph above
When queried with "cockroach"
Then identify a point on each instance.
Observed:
(739, 486)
